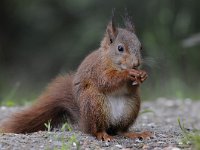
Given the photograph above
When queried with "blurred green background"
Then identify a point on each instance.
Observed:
(40, 39)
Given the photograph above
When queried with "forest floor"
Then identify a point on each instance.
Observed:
(160, 116)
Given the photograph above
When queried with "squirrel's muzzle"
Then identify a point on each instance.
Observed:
(136, 64)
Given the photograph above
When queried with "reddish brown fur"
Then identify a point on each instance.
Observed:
(56, 102)
(86, 97)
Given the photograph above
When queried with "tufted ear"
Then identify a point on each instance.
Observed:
(111, 30)
(128, 24)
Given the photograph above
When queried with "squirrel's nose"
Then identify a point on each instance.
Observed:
(136, 64)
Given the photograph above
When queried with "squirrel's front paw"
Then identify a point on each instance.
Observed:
(137, 76)
(143, 75)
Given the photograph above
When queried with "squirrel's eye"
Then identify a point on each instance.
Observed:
(120, 48)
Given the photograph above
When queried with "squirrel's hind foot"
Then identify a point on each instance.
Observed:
(104, 136)
(146, 135)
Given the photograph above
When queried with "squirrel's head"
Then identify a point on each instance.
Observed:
(122, 45)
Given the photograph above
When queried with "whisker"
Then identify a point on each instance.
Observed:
(153, 63)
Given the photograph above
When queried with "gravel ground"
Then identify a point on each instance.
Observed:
(162, 120)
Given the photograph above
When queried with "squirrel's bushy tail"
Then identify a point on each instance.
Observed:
(57, 105)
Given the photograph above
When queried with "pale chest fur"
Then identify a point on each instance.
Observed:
(120, 105)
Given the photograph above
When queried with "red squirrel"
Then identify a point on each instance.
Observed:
(102, 96)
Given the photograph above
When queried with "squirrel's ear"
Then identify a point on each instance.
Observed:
(128, 24)
(111, 31)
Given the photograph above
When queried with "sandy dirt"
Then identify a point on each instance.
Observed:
(161, 118)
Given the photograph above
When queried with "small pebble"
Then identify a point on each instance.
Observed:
(138, 140)
(119, 146)
(74, 144)
(171, 148)
(105, 144)
(3, 108)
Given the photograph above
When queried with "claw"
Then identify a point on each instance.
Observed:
(104, 136)
(137, 76)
